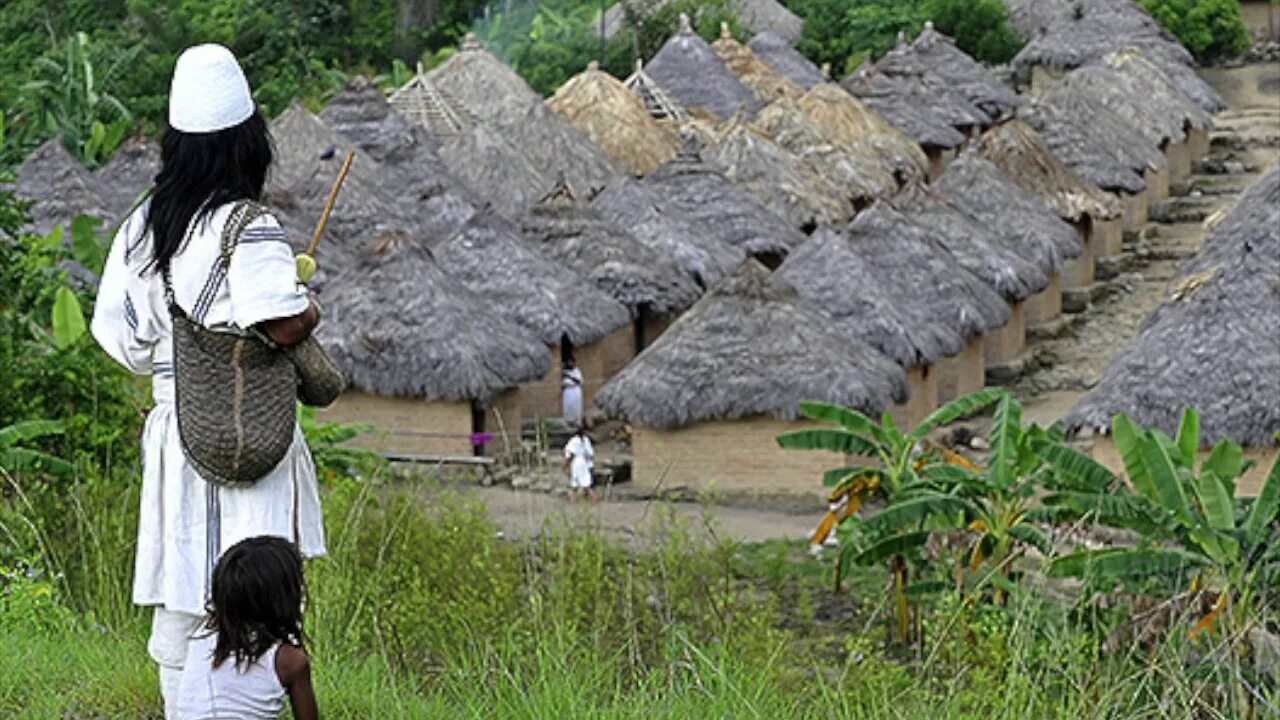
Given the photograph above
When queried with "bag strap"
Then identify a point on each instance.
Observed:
(242, 215)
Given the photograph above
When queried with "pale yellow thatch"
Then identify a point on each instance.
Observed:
(603, 109)
(768, 84)
(857, 168)
(845, 118)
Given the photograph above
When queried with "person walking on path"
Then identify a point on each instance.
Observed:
(580, 459)
(215, 155)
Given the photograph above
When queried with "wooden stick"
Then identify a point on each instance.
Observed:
(328, 206)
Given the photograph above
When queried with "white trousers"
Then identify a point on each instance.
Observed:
(170, 632)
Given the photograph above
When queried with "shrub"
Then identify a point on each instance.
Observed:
(980, 28)
(1210, 29)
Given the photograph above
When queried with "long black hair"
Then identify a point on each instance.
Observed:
(258, 590)
(200, 172)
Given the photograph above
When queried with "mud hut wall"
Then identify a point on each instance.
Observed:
(1046, 305)
(1077, 272)
(922, 384)
(615, 352)
(939, 159)
(653, 328)
(1198, 143)
(1008, 342)
(1105, 452)
(504, 419)
(542, 398)
(1044, 78)
(404, 426)
(1137, 209)
(1262, 17)
(963, 373)
(1106, 237)
(598, 362)
(1177, 157)
(740, 456)
(1157, 184)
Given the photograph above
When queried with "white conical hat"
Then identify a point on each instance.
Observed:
(209, 91)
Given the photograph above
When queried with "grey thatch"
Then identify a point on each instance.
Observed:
(776, 178)
(857, 170)
(491, 258)
(656, 101)
(59, 188)
(688, 68)
(421, 102)
(578, 236)
(415, 177)
(1249, 233)
(1149, 115)
(704, 193)
(1082, 145)
(496, 96)
(1021, 153)
(750, 347)
(829, 273)
(759, 77)
(1158, 86)
(919, 270)
(402, 327)
(1115, 133)
(783, 57)
(917, 82)
(847, 119)
(1034, 17)
(891, 99)
(613, 117)
(759, 15)
(494, 169)
(970, 78)
(977, 248)
(695, 248)
(130, 172)
(1027, 225)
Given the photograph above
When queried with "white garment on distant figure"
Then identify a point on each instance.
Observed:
(582, 458)
(571, 397)
(184, 522)
(228, 692)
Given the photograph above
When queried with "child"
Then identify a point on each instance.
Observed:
(252, 655)
(579, 459)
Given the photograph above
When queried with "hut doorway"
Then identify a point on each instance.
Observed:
(771, 259)
(477, 428)
(642, 318)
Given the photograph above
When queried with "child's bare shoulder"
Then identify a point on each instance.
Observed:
(292, 664)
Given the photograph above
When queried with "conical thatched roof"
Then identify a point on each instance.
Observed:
(890, 98)
(1250, 232)
(760, 78)
(60, 188)
(962, 73)
(857, 170)
(1158, 86)
(1017, 150)
(750, 347)
(1081, 145)
(696, 249)
(691, 72)
(576, 235)
(1114, 133)
(917, 83)
(830, 274)
(600, 106)
(759, 15)
(847, 119)
(919, 270)
(1033, 17)
(402, 327)
(721, 205)
(490, 257)
(493, 169)
(1120, 94)
(496, 96)
(419, 101)
(783, 57)
(656, 101)
(415, 176)
(977, 248)
(1027, 225)
(775, 177)
(129, 172)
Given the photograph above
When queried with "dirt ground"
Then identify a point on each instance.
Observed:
(1246, 142)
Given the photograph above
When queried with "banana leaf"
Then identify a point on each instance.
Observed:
(1125, 563)
(956, 409)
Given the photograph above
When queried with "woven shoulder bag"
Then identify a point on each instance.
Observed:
(236, 391)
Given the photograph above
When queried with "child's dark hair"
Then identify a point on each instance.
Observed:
(257, 599)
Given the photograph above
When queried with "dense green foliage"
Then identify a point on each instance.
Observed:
(1210, 29)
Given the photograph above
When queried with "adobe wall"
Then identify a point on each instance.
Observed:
(922, 386)
(1106, 237)
(1198, 143)
(1008, 342)
(1137, 209)
(654, 327)
(939, 159)
(598, 362)
(1262, 19)
(964, 373)
(503, 419)
(404, 425)
(1157, 184)
(1045, 305)
(1077, 272)
(1105, 452)
(1178, 157)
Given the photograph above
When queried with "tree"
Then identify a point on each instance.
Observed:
(1210, 29)
(979, 27)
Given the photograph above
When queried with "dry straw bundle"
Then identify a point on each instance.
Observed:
(768, 84)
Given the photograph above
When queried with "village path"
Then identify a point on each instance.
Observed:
(1246, 141)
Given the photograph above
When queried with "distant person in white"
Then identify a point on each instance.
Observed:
(571, 393)
(579, 459)
(248, 654)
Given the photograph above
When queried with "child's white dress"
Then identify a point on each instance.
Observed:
(582, 457)
(228, 692)
(571, 396)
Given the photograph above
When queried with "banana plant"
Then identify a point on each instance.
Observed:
(14, 457)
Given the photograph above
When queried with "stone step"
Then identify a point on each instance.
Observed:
(1229, 165)
(1186, 209)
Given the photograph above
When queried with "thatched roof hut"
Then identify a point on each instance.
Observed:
(975, 246)
(767, 83)
(131, 170)
(1159, 87)
(775, 177)
(494, 169)
(60, 188)
(831, 275)
(857, 170)
(920, 270)
(1027, 225)
(1021, 153)
(496, 96)
(970, 78)
(600, 106)
(490, 257)
(750, 347)
(696, 249)
(1033, 17)
(845, 118)
(1121, 95)
(578, 236)
(702, 192)
(1250, 232)
(440, 343)
(759, 15)
(656, 101)
(420, 101)
(690, 71)
(916, 82)
(890, 98)
(782, 56)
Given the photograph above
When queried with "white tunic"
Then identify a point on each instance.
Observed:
(228, 692)
(184, 522)
(571, 398)
(582, 458)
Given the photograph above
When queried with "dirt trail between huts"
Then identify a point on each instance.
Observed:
(1245, 142)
